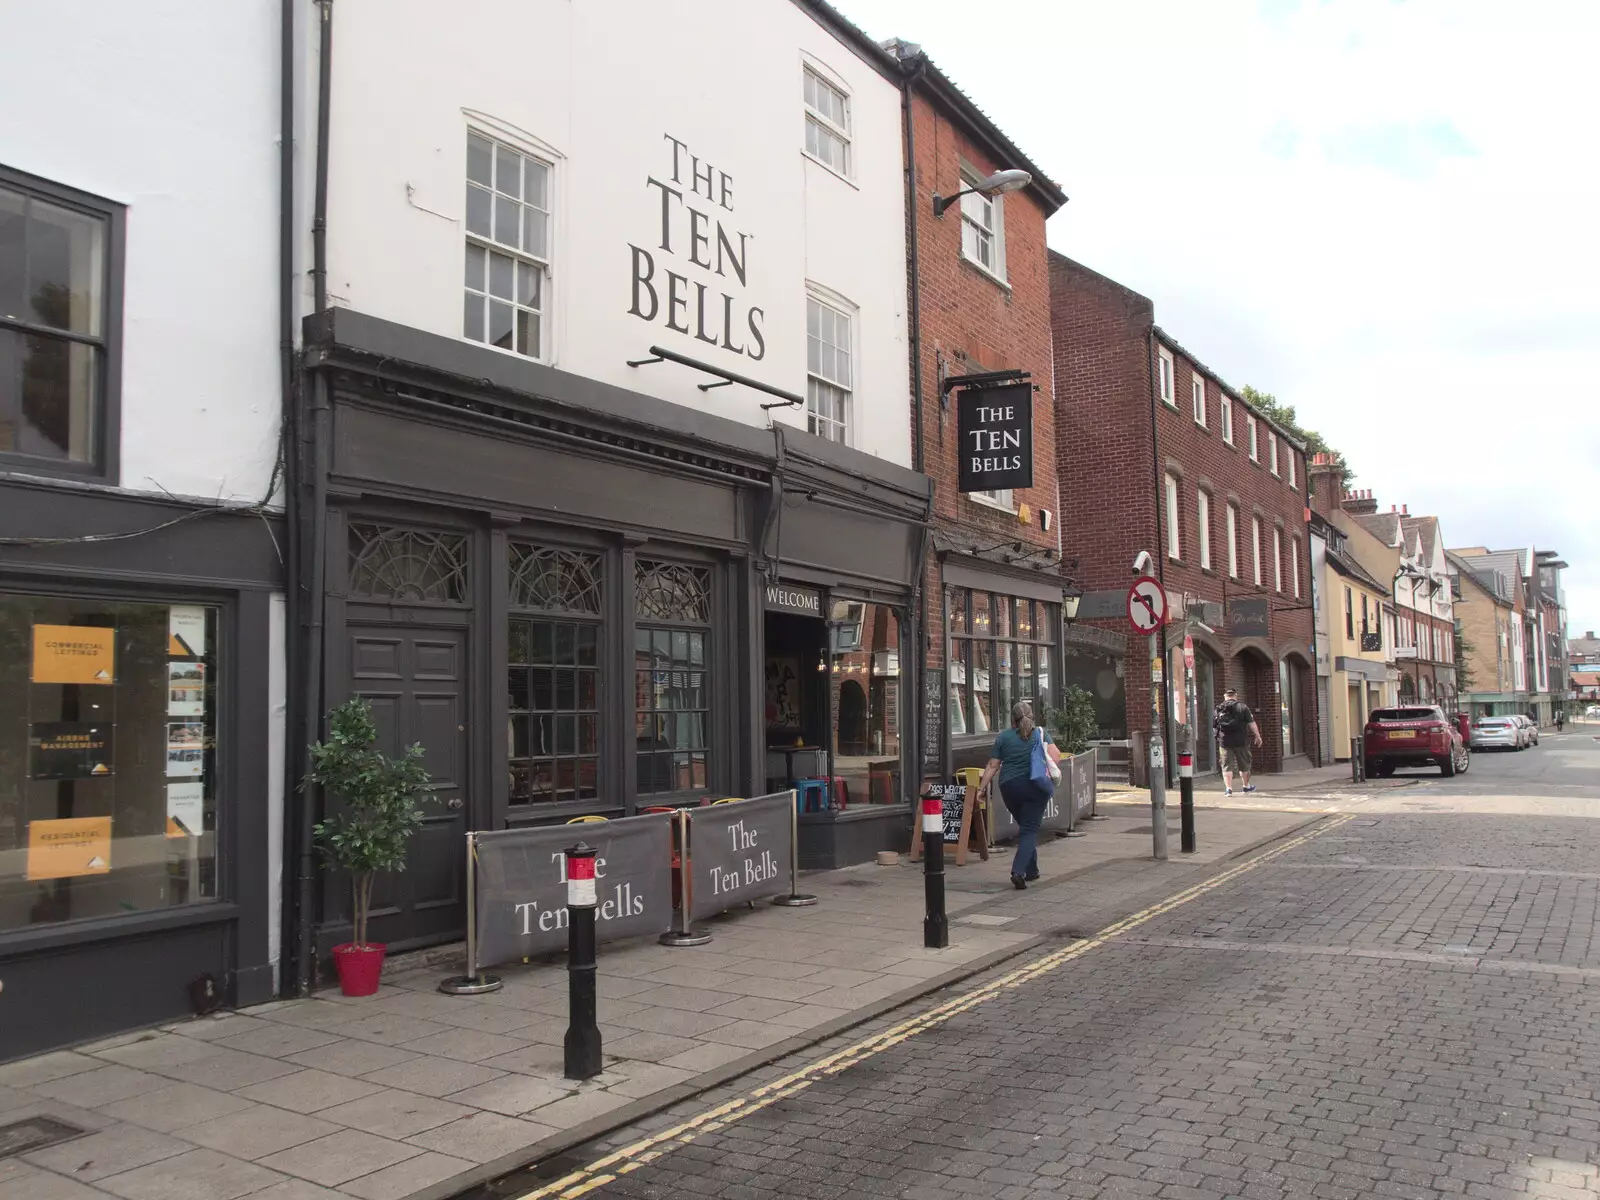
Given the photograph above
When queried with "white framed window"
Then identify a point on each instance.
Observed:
(507, 294)
(1293, 477)
(1197, 390)
(983, 227)
(1169, 394)
(1227, 418)
(1294, 565)
(1277, 559)
(827, 123)
(1255, 548)
(1174, 547)
(1255, 446)
(1202, 513)
(1233, 541)
(830, 373)
(1272, 452)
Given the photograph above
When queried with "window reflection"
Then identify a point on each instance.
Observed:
(864, 670)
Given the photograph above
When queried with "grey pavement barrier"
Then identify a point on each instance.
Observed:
(735, 852)
(1358, 760)
(517, 898)
(1074, 798)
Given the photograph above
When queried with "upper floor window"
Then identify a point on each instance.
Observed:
(829, 378)
(1255, 446)
(827, 123)
(1294, 564)
(1169, 394)
(1233, 541)
(1227, 418)
(1293, 478)
(1255, 548)
(508, 247)
(1197, 390)
(1349, 615)
(60, 327)
(1173, 545)
(1272, 452)
(983, 235)
(1202, 506)
(1277, 560)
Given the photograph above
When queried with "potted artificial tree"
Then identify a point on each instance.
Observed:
(371, 830)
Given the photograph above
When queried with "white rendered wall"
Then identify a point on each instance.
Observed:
(171, 109)
(599, 89)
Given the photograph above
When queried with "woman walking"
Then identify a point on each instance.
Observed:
(1025, 800)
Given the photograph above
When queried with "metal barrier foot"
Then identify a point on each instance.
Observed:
(471, 985)
(797, 900)
(685, 937)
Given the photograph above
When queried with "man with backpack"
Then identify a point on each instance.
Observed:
(1236, 733)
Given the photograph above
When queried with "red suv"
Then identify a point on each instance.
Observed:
(1414, 736)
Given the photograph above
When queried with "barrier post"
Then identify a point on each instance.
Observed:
(474, 982)
(1358, 760)
(935, 925)
(684, 935)
(796, 898)
(582, 1044)
(1186, 799)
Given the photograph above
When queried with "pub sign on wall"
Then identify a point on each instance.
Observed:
(995, 427)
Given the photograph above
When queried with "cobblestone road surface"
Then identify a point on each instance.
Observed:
(1405, 1005)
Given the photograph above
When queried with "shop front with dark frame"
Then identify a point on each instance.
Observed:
(560, 589)
(138, 781)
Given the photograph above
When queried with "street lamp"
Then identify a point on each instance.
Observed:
(995, 185)
(1069, 606)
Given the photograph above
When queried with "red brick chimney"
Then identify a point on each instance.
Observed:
(1326, 484)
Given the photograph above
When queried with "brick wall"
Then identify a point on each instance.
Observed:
(1113, 469)
(972, 323)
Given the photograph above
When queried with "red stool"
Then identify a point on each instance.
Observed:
(839, 793)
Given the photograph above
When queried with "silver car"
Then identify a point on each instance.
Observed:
(1530, 729)
(1497, 733)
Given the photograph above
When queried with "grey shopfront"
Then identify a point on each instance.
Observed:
(566, 592)
(138, 771)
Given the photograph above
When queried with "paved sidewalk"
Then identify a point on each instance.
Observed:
(415, 1094)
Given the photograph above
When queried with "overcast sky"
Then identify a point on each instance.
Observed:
(1382, 211)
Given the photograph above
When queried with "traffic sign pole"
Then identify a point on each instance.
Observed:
(1147, 613)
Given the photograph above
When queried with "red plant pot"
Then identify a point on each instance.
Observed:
(359, 967)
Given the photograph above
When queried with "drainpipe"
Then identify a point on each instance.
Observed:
(908, 79)
(316, 536)
(1161, 540)
(290, 442)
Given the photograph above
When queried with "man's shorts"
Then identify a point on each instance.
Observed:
(1236, 758)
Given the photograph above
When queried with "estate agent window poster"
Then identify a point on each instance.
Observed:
(74, 654)
(186, 742)
(186, 809)
(69, 750)
(186, 689)
(186, 631)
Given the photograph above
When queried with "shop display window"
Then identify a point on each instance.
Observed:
(108, 758)
(864, 673)
(672, 685)
(1001, 651)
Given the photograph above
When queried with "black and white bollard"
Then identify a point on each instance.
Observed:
(1186, 801)
(582, 1059)
(935, 925)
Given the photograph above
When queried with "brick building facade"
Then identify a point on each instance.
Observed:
(980, 305)
(1157, 453)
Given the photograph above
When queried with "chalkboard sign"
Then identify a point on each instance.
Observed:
(966, 825)
(932, 721)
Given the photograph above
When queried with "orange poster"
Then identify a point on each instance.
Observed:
(74, 654)
(69, 847)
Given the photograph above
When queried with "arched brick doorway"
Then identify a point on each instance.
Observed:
(1253, 671)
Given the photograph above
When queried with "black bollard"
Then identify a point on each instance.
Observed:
(1186, 800)
(582, 1046)
(935, 925)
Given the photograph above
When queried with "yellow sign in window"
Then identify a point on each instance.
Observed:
(69, 847)
(74, 654)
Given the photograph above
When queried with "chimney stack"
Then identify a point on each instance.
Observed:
(1326, 485)
(1361, 503)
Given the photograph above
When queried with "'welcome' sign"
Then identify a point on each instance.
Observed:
(995, 425)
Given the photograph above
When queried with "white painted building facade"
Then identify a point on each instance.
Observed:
(141, 568)
(578, 182)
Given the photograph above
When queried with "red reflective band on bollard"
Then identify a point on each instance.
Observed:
(1186, 766)
(581, 891)
(932, 815)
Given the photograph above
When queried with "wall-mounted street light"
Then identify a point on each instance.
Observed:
(995, 185)
(1069, 606)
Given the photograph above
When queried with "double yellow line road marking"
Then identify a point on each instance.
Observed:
(630, 1158)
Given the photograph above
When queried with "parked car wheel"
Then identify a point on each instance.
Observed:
(1447, 767)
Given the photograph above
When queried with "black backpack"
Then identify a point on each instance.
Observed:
(1231, 718)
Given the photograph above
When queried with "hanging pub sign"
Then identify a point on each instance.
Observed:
(995, 427)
